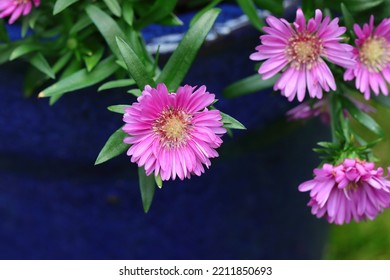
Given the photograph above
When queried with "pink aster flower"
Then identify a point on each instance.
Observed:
(353, 189)
(173, 134)
(299, 52)
(307, 110)
(320, 108)
(372, 55)
(16, 8)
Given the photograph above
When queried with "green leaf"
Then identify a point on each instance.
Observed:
(134, 65)
(71, 68)
(147, 187)
(33, 78)
(159, 10)
(3, 32)
(181, 60)
(135, 92)
(25, 27)
(362, 117)
(274, 6)
(5, 52)
(362, 5)
(40, 62)
(114, 7)
(33, 18)
(121, 63)
(230, 122)
(348, 19)
(158, 181)
(249, 8)
(82, 23)
(81, 79)
(248, 85)
(383, 100)
(92, 60)
(113, 147)
(170, 20)
(117, 84)
(128, 13)
(120, 109)
(211, 5)
(24, 49)
(61, 62)
(329, 145)
(61, 5)
(106, 26)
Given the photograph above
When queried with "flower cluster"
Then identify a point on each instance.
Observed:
(174, 131)
(305, 53)
(72, 45)
(300, 53)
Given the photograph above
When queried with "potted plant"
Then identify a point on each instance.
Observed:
(57, 201)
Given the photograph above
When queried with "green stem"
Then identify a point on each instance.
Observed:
(334, 111)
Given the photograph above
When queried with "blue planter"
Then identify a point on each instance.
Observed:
(54, 204)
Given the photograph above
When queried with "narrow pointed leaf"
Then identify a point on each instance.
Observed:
(114, 7)
(230, 122)
(362, 117)
(61, 5)
(72, 67)
(92, 60)
(120, 109)
(147, 186)
(33, 78)
(362, 5)
(113, 147)
(128, 12)
(82, 79)
(348, 19)
(106, 26)
(181, 60)
(248, 85)
(82, 23)
(24, 49)
(158, 181)
(209, 6)
(61, 62)
(134, 65)
(5, 52)
(136, 92)
(40, 62)
(159, 10)
(383, 100)
(3, 32)
(117, 84)
(171, 20)
(25, 27)
(249, 8)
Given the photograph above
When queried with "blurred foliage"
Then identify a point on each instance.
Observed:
(366, 240)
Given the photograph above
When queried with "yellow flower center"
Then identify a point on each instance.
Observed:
(172, 127)
(22, 2)
(375, 53)
(304, 50)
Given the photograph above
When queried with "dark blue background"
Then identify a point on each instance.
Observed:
(54, 204)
